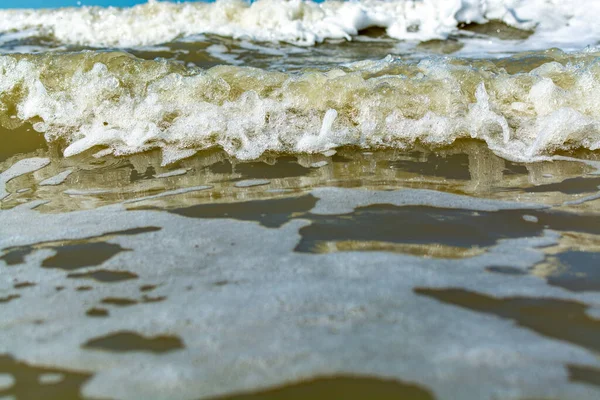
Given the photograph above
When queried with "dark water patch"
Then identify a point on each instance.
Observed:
(564, 221)
(269, 213)
(497, 29)
(187, 52)
(84, 288)
(584, 374)
(9, 298)
(340, 387)
(119, 301)
(282, 167)
(339, 158)
(569, 186)
(423, 225)
(135, 176)
(126, 341)
(158, 299)
(16, 255)
(134, 231)
(22, 140)
(385, 223)
(74, 256)
(454, 166)
(511, 168)
(105, 276)
(447, 46)
(97, 312)
(222, 167)
(506, 270)
(29, 381)
(147, 288)
(416, 225)
(373, 32)
(23, 285)
(580, 271)
(558, 319)
(59, 288)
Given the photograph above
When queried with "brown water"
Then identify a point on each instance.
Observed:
(407, 274)
(284, 193)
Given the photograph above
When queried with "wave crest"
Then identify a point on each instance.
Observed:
(303, 22)
(128, 105)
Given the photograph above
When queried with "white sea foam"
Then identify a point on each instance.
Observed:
(129, 105)
(169, 174)
(57, 179)
(306, 23)
(304, 314)
(252, 182)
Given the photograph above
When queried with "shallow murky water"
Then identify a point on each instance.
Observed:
(394, 274)
(290, 201)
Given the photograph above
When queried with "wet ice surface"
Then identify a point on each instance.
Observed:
(205, 291)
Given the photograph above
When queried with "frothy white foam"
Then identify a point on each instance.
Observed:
(128, 105)
(304, 22)
(305, 315)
